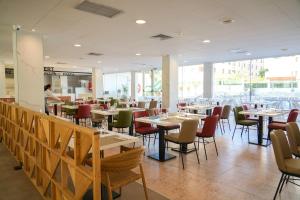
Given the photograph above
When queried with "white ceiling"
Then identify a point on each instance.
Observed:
(262, 27)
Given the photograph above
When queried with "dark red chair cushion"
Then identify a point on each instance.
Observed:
(209, 127)
(146, 130)
(275, 125)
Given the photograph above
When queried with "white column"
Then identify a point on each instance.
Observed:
(29, 71)
(64, 85)
(132, 85)
(2, 81)
(97, 82)
(169, 83)
(208, 77)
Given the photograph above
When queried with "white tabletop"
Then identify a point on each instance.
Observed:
(171, 119)
(264, 112)
(111, 139)
(115, 111)
(70, 107)
(52, 103)
(197, 107)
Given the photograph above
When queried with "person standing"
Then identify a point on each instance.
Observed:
(49, 95)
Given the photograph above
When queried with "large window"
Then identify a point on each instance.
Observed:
(117, 85)
(190, 81)
(272, 80)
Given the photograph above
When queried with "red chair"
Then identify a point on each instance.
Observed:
(84, 112)
(144, 129)
(217, 111)
(104, 106)
(181, 105)
(208, 131)
(281, 125)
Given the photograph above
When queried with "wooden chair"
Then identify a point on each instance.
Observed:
(117, 170)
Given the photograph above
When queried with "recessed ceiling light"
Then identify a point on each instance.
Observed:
(33, 30)
(206, 41)
(47, 57)
(77, 45)
(140, 21)
(138, 54)
(99, 61)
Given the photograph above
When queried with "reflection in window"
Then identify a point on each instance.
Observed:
(117, 85)
(190, 81)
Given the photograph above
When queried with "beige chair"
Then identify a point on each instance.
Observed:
(117, 170)
(153, 104)
(185, 136)
(225, 116)
(293, 134)
(97, 119)
(141, 104)
(284, 159)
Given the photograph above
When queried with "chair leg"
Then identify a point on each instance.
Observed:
(248, 133)
(220, 127)
(216, 146)
(180, 148)
(233, 133)
(149, 142)
(144, 181)
(242, 131)
(198, 142)
(279, 184)
(196, 153)
(229, 125)
(283, 181)
(204, 148)
(109, 191)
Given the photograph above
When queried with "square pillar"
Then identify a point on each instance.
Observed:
(133, 85)
(29, 70)
(2, 81)
(208, 77)
(170, 83)
(97, 82)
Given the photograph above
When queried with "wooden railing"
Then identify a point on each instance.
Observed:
(53, 152)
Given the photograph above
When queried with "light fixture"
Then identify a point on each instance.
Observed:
(138, 54)
(47, 57)
(206, 41)
(99, 61)
(227, 20)
(33, 30)
(140, 21)
(77, 45)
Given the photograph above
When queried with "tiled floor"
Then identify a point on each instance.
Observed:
(241, 171)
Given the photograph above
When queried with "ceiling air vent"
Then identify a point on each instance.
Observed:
(95, 54)
(98, 9)
(161, 37)
(61, 63)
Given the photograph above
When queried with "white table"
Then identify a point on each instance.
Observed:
(261, 113)
(197, 107)
(162, 122)
(111, 139)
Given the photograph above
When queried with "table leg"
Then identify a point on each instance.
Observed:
(260, 129)
(77, 121)
(208, 112)
(109, 121)
(55, 109)
(161, 155)
(184, 149)
(131, 127)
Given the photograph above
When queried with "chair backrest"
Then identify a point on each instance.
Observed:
(84, 111)
(238, 116)
(153, 104)
(226, 112)
(293, 115)
(182, 104)
(104, 106)
(188, 131)
(217, 110)
(293, 134)
(281, 148)
(125, 118)
(113, 101)
(141, 104)
(140, 124)
(246, 107)
(210, 126)
(122, 162)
